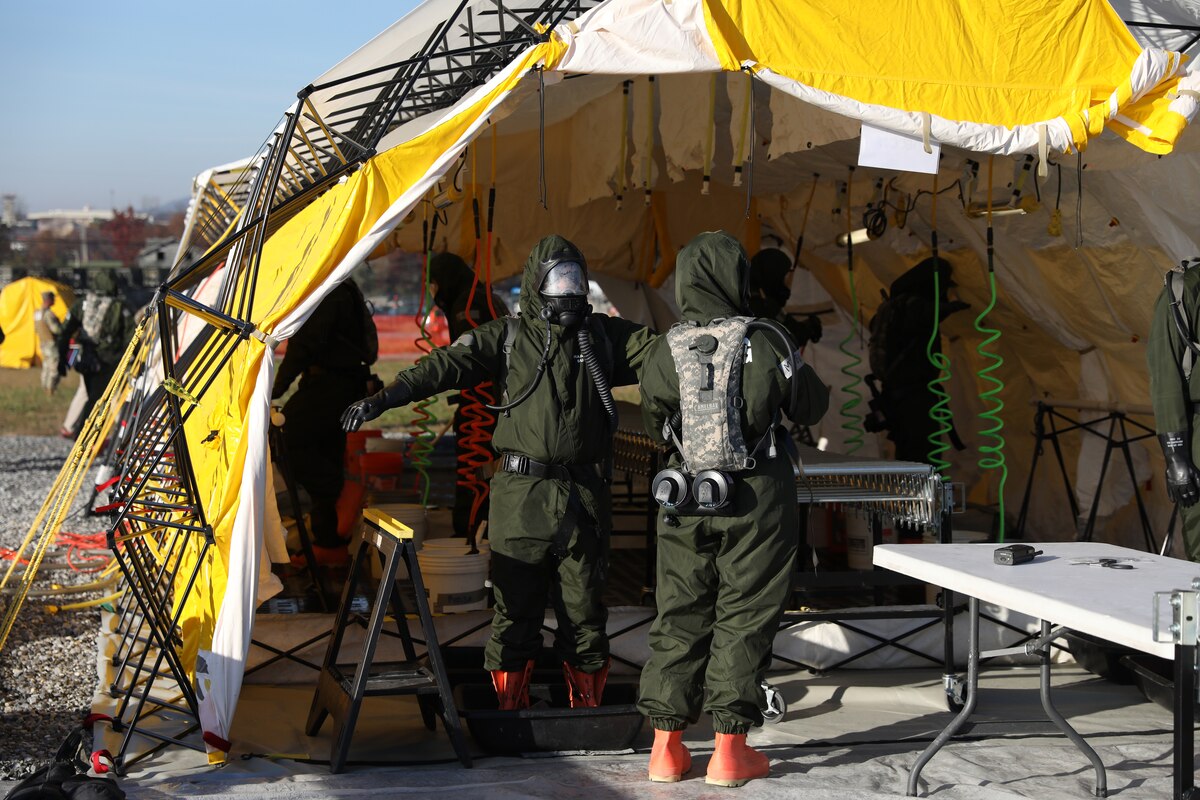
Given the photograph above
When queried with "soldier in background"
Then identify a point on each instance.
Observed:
(102, 326)
(49, 329)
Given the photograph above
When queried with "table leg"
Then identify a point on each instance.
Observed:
(1184, 740)
(968, 707)
(1061, 722)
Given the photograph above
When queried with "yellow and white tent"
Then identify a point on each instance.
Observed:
(18, 302)
(642, 122)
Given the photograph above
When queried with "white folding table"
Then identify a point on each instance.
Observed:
(1110, 603)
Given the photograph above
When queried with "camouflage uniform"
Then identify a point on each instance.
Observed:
(49, 329)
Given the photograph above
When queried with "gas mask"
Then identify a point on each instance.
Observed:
(564, 290)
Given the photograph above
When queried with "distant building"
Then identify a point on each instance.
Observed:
(9, 210)
(154, 261)
(64, 222)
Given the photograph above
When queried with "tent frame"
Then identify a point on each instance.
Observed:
(305, 156)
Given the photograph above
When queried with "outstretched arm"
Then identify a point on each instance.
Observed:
(470, 360)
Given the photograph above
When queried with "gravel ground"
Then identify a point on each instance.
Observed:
(48, 665)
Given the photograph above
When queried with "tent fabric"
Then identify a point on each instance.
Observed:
(1079, 80)
(314, 251)
(899, 65)
(18, 302)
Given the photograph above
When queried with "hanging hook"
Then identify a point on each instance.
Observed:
(751, 136)
(1079, 200)
(542, 135)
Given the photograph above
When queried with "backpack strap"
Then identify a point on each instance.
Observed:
(1174, 283)
(510, 337)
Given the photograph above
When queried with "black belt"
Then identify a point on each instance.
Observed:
(524, 465)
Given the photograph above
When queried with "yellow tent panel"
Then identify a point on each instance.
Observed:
(18, 301)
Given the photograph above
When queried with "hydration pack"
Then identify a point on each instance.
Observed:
(708, 361)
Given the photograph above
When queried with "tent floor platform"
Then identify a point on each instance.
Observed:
(847, 734)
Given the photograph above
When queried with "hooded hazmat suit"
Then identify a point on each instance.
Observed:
(1175, 398)
(455, 281)
(332, 366)
(548, 535)
(723, 580)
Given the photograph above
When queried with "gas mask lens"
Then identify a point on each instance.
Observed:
(564, 279)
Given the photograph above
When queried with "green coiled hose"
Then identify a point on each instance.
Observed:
(939, 412)
(992, 452)
(422, 447)
(853, 420)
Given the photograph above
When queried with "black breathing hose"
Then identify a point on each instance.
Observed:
(599, 379)
(537, 378)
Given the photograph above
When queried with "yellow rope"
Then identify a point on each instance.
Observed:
(66, 485)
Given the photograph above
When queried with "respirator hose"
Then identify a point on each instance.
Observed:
(537, 378)
(599, 379)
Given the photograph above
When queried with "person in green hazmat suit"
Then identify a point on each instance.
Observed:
(1175, 394)
(550, 513)
(723, 579)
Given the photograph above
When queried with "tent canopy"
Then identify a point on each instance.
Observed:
(661, 120)
(18, 302)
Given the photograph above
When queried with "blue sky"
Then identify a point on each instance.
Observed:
(116, 103)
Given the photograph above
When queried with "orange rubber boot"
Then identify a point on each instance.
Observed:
(733, 763)
(512, 687)
(669, 759)
(585, 689)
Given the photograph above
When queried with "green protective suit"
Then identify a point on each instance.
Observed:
(328, 357)
(723, 580)
(533, 520)
(1173, 396)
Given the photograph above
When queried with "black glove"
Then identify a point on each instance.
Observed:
(397, 394)
(1183, 481)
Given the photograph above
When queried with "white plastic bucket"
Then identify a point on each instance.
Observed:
(454, 581)
(410, 514)
(859, 542)
(453, 546)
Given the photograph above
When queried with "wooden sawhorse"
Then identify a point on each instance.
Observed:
(342, 687)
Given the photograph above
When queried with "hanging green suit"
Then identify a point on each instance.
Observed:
(1173, 395)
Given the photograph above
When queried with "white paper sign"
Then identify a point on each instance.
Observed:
(890, 150)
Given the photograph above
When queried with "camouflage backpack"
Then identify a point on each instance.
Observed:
(708, 360)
